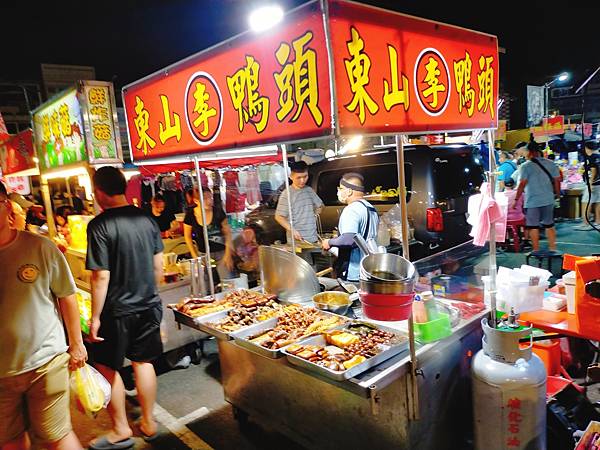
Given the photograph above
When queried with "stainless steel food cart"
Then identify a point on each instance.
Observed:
(369, 411)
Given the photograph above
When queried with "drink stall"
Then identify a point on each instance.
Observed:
(332, 68)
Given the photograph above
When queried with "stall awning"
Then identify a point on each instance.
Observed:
(210, 164)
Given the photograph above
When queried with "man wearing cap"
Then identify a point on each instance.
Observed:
(539, 184)
(359, 217)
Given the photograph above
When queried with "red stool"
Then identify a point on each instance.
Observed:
(514, 230)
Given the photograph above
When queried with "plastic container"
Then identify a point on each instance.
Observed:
(78, 229)
(240, 282)
(549, 353)
(569, 280)
(521, 296)
(386, 307)
(434, 330)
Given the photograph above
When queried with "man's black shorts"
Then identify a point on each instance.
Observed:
(134, 336)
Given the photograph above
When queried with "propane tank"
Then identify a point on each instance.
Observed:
(509, 392)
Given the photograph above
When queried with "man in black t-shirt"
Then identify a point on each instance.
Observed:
(164, 219)
(125, 257)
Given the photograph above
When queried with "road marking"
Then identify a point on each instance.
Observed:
(578, 243)
(178, 427)
(194, 415)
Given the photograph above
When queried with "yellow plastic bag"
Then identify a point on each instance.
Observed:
(91, 389)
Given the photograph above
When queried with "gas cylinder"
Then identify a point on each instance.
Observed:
(509, 392)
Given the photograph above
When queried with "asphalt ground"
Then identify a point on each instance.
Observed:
(193, 413)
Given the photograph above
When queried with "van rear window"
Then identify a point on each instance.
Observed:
(381, 183)
(456, 175)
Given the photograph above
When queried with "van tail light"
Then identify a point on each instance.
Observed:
(435, 220)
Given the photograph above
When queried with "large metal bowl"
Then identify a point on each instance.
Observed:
(386, 267)
(287, 276)
(333, 301)
(383, 287)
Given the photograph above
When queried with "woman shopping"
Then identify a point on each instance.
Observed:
(219, 233)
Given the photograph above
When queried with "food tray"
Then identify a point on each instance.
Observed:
(241, 336)
(353, 371)
(193, 322)
(203, 323)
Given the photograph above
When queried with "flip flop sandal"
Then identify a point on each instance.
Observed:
(152, 438)
(104, 444)
(146, 437)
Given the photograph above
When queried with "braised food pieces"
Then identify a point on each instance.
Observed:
(295, 323)
(347, 348)
(243, 316)
(201, 307)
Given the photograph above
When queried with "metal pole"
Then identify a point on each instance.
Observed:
(413, 389)
(70, 198)
(402, 195)
(493, 269)
(48, 205)
(545, 99)
(204, 229)
(287, 191)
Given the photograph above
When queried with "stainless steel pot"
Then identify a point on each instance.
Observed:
(386, 267)
(387, 287)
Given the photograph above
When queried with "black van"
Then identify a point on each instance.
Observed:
(439, 181)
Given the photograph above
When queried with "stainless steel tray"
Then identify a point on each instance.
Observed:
(194, 322)
(241, 337)
(204, 324)
(353, 371)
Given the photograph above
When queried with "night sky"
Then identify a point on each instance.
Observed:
(126, 40)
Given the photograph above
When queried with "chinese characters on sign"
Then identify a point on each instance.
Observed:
(297, 81)
(248, 102)
(17, 153)
(101, 138)
(58, 129)
(392, 74)
(253, 90)
(396, 73)
(357, 69)
(204, 108)
(141, 125)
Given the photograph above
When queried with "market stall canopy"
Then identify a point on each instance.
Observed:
(331, 67)
(212, 164)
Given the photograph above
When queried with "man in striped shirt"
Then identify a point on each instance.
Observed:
(306, 204)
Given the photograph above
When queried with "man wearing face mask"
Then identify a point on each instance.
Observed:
(359, 217)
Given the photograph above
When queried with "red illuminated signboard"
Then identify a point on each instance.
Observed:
(393, 74)
(17, 153)
(396, 73)
(255, 89)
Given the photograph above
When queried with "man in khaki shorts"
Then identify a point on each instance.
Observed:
(36, 290)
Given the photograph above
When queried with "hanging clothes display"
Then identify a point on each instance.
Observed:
(252, 187)
(148, 191)
(133, 192)
(485, 212)
(235, 202)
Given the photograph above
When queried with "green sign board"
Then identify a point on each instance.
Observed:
(59, 133)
